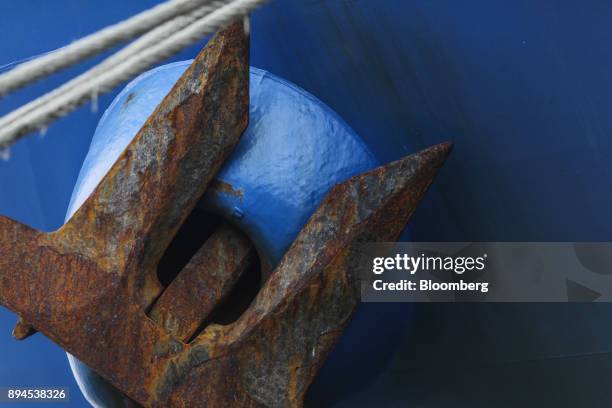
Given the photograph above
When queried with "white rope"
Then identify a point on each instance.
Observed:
(150, 49)
(94, 44)
(146, 41)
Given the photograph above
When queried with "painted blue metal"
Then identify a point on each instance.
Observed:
(294, 149)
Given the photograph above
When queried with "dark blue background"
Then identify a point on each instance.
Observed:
(524, 89)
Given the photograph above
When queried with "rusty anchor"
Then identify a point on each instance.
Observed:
(92, 286)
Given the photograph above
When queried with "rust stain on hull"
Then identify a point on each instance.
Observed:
(226, 188)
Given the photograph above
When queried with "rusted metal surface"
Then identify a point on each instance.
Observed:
(23, 330)
(88, 286)
(204, 282)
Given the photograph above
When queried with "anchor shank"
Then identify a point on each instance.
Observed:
(203, 283)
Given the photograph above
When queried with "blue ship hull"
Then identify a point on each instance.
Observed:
(524, 90)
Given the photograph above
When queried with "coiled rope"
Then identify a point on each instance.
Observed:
(178, 23)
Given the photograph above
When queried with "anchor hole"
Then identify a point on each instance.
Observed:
(196, 229)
